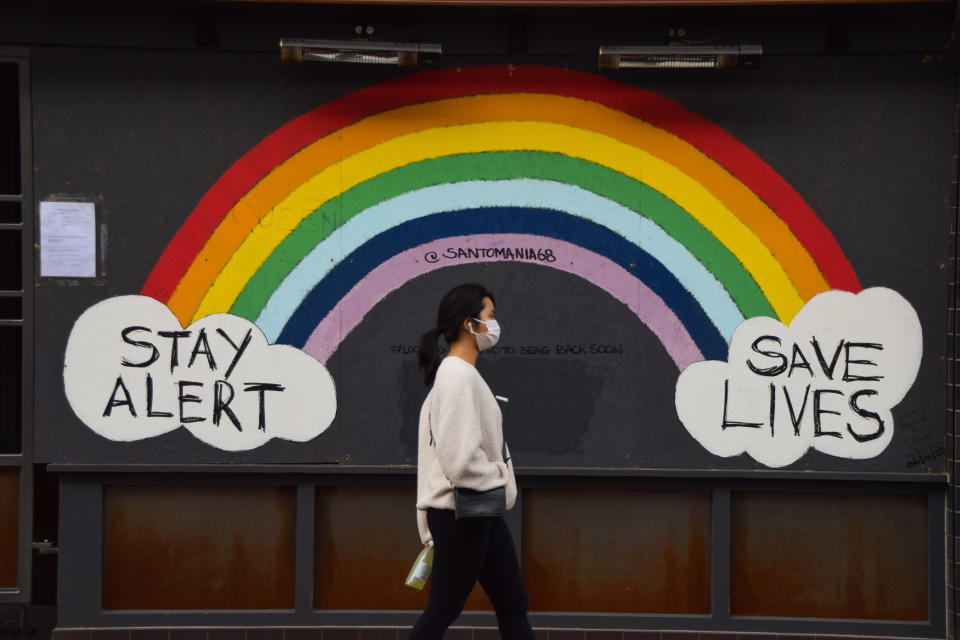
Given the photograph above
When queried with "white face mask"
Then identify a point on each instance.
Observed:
(488, 339)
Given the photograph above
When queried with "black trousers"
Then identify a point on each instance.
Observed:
(466, 551)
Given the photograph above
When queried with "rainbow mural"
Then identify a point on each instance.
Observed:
(662, 209)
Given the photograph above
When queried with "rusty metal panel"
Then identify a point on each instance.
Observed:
(9, 524)
(366, 541)
(617, 550)
(829, 555)
(198, 547)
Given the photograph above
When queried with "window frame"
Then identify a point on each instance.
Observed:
(23, 462)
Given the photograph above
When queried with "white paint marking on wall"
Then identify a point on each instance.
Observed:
(131, 371)
(828, 381)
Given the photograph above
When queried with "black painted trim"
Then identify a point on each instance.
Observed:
(524, 472)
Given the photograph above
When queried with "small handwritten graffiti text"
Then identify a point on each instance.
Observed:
(925, 459)
(579, 349)
(524, 254)
(403, 349)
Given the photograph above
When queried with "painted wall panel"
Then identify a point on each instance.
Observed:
(629, 224)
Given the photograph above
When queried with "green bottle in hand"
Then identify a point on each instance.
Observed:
(420, 570)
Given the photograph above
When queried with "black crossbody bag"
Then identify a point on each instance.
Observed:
(470, 503)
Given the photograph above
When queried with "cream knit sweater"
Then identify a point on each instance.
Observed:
(467, 448)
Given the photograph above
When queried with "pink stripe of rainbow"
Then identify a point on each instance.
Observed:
(403, 267)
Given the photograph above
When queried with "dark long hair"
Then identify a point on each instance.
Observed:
(461, 302)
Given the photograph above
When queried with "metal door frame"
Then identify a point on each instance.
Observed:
(23, 462)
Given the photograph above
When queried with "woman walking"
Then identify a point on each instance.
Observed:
(461, 445)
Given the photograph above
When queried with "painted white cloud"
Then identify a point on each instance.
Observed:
(828, 381)
(131, 371)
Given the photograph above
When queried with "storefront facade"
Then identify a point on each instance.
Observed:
(728, 299)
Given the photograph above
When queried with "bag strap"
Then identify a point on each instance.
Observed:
(433, 443)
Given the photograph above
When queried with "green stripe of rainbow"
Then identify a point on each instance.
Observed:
(500, 166)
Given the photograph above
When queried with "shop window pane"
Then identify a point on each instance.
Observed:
(11, 388)
(366, 541)
(9, 519)
(11, 269)
(198, 547)
(604, 550)
(829, 555)
(46, 499)
(9, 212)
(11, 308)
(9, 128)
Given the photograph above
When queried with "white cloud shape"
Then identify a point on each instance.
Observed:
(828, 381)
(131, 371)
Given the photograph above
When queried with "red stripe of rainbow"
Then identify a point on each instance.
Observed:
(424, 87)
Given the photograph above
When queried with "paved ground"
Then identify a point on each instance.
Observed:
(30, 622)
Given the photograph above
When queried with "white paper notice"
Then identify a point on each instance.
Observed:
(67, 240)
